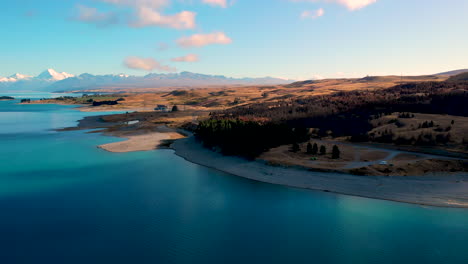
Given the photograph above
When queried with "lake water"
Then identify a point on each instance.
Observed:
(62, 200)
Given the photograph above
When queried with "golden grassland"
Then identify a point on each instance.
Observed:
(222, 97)
(456, 126)
(363, 160)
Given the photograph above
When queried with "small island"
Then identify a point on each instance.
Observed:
(2, 98)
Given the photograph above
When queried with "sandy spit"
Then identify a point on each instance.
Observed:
(433, 190)
(144, 142)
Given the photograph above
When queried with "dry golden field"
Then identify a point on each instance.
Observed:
(222, 97)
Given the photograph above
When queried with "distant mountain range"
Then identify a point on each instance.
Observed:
(453, 73)
(53, 81)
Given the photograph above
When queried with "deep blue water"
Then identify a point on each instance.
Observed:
(62, 200)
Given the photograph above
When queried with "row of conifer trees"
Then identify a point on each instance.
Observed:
(315, 150)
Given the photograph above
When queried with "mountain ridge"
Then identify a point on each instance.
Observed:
(53, 81)
(52, 75)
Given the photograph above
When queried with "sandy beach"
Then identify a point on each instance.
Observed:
(138, 136)
(141, 142)
(443, 190)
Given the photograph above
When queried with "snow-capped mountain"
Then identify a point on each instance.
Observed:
(7, 79)
(53, 81)
(22, 82)
(47, 75)
(15, 77)
(52, 75)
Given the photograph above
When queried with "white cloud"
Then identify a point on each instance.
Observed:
(147, 64)
(148, 13)
(355, 4)
(186, 58)
(221, 3)
(150, 17)
(313, 14)
(93, 16)
(200, 40)
(350, 4)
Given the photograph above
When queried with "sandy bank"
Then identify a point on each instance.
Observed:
(141, 142)
(140, 136)
(434, 190)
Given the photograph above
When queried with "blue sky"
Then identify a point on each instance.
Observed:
(296, 39)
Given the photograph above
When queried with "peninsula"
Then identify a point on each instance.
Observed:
(402, 142)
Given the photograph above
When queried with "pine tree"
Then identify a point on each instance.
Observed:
(315, 149)
(336, 152)
(309, 148)
(323, 150)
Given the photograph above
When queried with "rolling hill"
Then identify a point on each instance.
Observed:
(453, 73)
(459, 77)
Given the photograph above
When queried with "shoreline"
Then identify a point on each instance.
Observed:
(84, 107)
(430, 190)
(135, 137)
(440, 190)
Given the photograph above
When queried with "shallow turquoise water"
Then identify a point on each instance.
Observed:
(62, 200)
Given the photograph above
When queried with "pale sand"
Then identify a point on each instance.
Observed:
(140, 142)
(435, 190)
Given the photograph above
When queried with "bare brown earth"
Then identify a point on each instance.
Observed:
(364, 160)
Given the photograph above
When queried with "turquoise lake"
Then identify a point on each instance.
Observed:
(63, 200)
